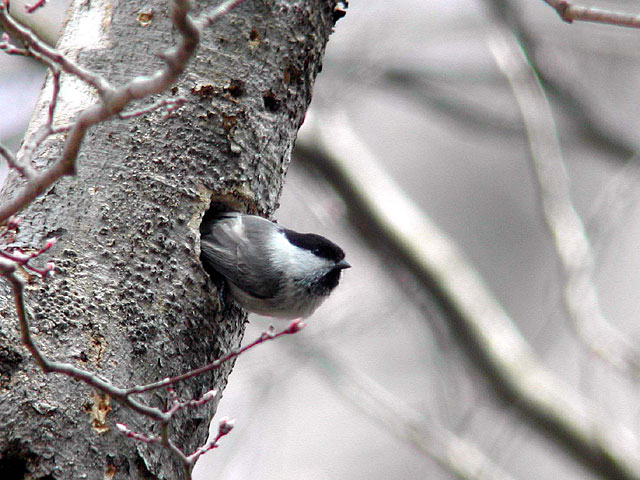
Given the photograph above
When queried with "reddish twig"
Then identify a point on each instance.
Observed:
(35, 6)
(177, 404)
(294, 327)
(224, 427)
(124, 396)
(135, 435)
(13, 162)
(569, 12)
(19, 257)
(10, 49)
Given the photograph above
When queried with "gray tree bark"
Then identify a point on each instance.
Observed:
(131, 300)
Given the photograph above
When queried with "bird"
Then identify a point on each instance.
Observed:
(270, 270)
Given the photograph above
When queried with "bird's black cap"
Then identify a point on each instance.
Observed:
(317, 244)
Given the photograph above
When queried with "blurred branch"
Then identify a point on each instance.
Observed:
(481, 325)
(442, 92)
(565, 225)
(438, 91)
(613, 205)
(588, 120)
(453, 453)
(569, 13)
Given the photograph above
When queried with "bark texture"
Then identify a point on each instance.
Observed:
(131, 300)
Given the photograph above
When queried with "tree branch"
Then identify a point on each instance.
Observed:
(113, 100)
(569, 12)
(563, 222)
(454, 454)
(481, 325)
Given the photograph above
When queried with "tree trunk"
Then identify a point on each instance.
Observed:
(131, 300)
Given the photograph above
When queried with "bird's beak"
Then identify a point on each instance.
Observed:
(342, 264)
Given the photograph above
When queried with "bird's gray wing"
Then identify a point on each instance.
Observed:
(235, 246)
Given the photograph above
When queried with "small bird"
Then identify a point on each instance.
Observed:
(271, 270)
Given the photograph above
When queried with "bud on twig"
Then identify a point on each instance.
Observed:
(225, 426)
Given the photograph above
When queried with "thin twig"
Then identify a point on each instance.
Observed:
(10, 49)
(172, 104)
(35, 6)
(224, 427)
(24, 170)
(216, 13)
(113, 101)
(124, 396)
(18, 257)
(135, 435)
(294, 327)
(569, 12)
(35, 44)
(178, 405)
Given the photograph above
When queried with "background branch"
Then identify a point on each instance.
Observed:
(479, 322)
(461, 458)
(565, 225)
